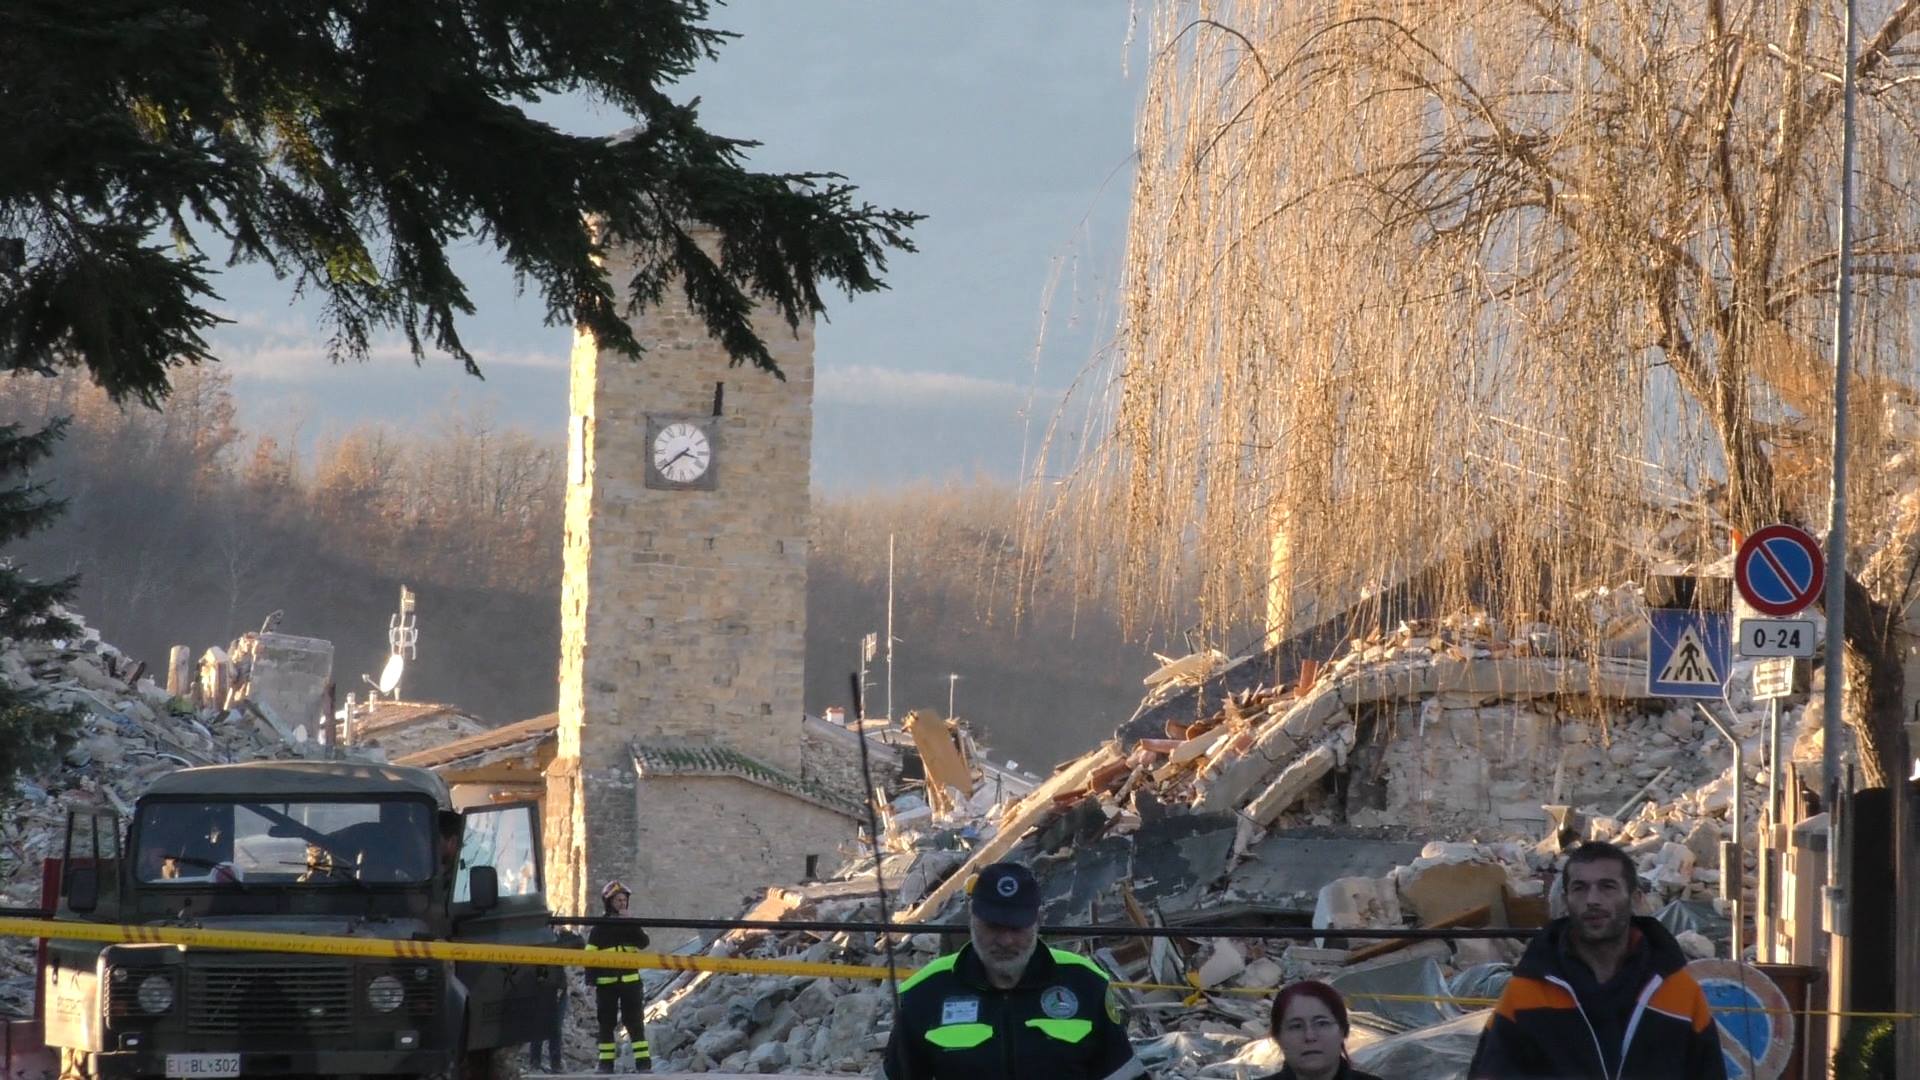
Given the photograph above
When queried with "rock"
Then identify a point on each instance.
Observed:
(717, 1042)
(1694, 944)
(767, 1057)
(1716, 797)
(854, 1016)
(815, 1000)
(1575, 734)
(1226, 962)
(1673, 866)
(1704, 841)
(1261, 974)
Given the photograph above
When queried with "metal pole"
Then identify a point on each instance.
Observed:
(951, 680)
(1836, 599)
(1766, 849)
(889, 629)
(1733, 878)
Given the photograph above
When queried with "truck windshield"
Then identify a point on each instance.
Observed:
(250, 842)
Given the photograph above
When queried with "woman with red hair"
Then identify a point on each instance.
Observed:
(1309, 1021)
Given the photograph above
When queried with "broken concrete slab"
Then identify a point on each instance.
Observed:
(1444, 887)
(1177, 859)
(1291, 784)
(1288, 868)
(1350, 903)
(1275, 745)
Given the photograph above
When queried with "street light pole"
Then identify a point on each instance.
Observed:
(1836, 598)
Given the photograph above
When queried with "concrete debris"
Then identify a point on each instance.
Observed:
(1431, 776)
(130, 732)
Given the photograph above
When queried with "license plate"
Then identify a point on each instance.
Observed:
(196, 1065)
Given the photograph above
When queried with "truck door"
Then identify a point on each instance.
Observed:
(90, 866)
(506, 1004)
(88, 889)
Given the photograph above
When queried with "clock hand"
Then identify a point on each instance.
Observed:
(676, 457)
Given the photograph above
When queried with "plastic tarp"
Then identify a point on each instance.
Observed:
(1481, 981)
(1697, 916)
(1441, 1052)
(1259, 1057)
(1410, 978)
(1185, 1051)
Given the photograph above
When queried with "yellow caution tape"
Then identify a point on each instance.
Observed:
(388, 948)
(552, 956)
(1191, 996)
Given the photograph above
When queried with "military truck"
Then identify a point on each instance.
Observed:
(299, 847)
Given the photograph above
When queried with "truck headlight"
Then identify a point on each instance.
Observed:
(155, 994)
(385, 993)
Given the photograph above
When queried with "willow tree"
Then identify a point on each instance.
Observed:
(1409, 284)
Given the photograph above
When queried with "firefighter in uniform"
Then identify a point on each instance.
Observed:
(617, 993)
(1006, 1006)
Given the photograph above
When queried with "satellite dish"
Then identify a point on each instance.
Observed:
(390, 675)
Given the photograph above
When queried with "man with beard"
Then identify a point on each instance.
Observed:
(1004, 1006)
(1601, 992)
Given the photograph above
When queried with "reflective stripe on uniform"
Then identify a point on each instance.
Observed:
(608, 1051)
(938, 965)
(1062, 956)
(960, 1036)
(1071, 1031)
(616, 977)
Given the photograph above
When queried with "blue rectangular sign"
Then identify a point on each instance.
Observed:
(1689, 653)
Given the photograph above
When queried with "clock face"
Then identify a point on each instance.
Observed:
(682, 453)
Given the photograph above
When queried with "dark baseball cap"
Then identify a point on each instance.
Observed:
(1006, 894)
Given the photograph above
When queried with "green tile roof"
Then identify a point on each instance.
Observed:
(667, 759)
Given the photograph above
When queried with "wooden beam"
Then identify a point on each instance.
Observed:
(1025, 814)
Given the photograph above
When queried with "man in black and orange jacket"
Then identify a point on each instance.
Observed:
(1601, 993)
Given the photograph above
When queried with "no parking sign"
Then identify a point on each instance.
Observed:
(1755, 1018)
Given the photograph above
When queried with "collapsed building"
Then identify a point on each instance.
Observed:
(1430, 775)
(129, 731)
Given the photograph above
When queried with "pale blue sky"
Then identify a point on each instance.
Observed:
(1009, 122)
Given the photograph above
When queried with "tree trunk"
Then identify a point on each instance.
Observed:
(1879, 686)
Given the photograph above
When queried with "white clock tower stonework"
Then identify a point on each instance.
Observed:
(683, 623)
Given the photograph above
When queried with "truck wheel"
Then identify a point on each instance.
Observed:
(75, 1064)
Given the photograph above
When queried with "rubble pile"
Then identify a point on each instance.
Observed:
(129, 732)
(1430, 776)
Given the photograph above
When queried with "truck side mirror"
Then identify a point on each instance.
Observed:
(483, 887)
(83, 889)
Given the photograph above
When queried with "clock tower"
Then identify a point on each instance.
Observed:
(683, 617)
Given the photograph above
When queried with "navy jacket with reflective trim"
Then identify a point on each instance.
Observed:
(1056, 1024)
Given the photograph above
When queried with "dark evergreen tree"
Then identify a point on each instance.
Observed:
(30, 734)
(348, 144)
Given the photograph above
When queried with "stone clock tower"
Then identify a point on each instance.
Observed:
(683, 619)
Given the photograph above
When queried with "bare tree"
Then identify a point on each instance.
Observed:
(1410, 284)
(1498, 294)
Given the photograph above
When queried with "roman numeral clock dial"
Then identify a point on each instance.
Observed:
(682, 454)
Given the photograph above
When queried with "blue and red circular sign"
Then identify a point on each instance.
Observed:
(1754, 1016)
(1779, 570)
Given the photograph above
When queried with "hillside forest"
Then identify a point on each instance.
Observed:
(187, 529)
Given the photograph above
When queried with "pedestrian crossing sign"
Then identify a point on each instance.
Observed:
(1689, 653)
